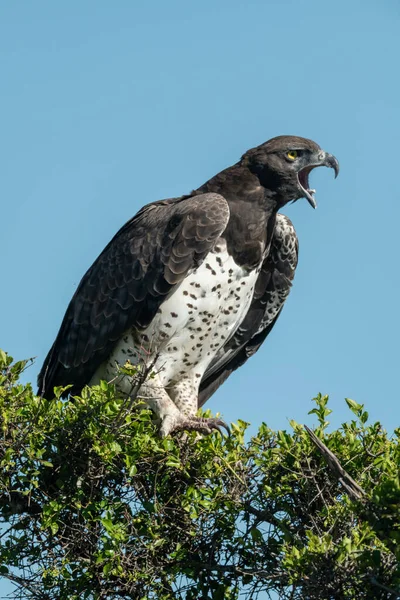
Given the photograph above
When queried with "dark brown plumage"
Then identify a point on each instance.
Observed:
(275, 279)
(136, 271)
(153, 255)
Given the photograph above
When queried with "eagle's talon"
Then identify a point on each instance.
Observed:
(217, 424)
(209, 424)
(200, 424)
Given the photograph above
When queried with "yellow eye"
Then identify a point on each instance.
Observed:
(292, 154)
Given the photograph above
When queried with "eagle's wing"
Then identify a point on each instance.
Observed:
(135, 273)
(271, 290)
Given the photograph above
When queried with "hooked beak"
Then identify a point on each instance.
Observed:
(332, 162)
(323, 160)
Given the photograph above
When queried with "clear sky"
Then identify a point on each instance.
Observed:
(106, 106)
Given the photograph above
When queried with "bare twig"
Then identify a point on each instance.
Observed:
(352, 488)
(396, 593)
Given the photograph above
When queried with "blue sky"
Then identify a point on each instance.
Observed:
(107, 106)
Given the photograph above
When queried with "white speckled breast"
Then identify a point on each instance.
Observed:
(194, 322)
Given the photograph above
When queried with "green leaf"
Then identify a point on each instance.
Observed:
(3, 358)
(54, 528)
(354, 406)
(256, 534)
(132, 470)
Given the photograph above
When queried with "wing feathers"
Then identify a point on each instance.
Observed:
(270, 293)
(125, 286)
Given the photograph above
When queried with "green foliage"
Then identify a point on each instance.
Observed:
(94, 505)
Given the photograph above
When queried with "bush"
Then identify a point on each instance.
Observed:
(94, 505)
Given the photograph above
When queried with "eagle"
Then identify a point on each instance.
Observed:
(191, 285)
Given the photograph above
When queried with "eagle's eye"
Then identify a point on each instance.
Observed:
(292, 154)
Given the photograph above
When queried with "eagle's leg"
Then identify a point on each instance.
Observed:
(176, 409)
(157, 398)
(185, 397)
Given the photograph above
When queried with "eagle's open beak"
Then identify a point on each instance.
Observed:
(323, 160)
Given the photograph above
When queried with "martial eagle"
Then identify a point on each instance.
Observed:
(193, 285)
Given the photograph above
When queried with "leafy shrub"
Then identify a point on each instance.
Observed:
(94, 504)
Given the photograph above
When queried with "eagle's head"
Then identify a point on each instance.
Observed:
(283, 165)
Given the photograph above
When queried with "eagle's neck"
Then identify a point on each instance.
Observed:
(253, 212)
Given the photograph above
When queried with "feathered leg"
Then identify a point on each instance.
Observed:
(177, 407)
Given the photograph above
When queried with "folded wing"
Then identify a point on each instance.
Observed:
(145, 261)
(272, 288)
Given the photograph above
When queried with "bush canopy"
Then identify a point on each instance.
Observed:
(95, 505)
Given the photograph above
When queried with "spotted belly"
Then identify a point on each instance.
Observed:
(193, 323)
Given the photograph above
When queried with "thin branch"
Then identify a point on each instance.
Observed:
(352, 488)
(263, 515)
(396, 593)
